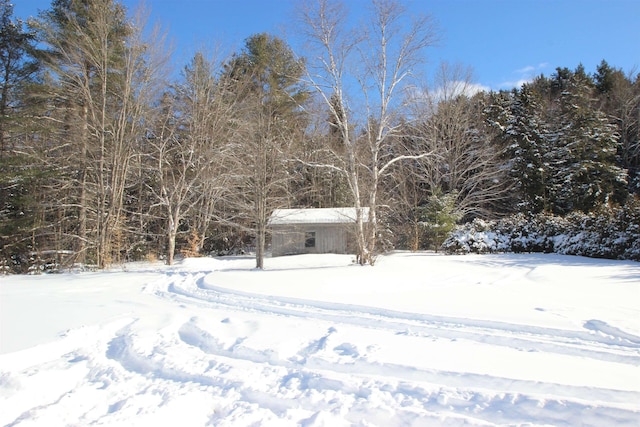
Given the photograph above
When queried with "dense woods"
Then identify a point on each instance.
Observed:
(107, 157)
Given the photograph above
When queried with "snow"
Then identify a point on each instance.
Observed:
(316, 216)
(420, 339)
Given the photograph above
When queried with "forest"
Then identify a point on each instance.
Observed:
(106, 156)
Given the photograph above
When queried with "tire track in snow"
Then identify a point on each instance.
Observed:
(599, 341)
(202, 346)
(302, 384)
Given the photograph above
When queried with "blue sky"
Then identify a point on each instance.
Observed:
(505, 42)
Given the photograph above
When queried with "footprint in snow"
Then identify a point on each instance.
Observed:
(347, 349)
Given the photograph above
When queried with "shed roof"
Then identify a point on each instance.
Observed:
(316, 216)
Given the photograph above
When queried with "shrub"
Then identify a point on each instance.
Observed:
(612, 233)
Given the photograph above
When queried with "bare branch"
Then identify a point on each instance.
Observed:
(386, 166)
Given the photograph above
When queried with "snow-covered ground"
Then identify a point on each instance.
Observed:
(419, 339)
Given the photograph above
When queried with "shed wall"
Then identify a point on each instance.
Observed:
(290, 239)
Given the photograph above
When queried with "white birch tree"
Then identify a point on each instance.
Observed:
(361, 74)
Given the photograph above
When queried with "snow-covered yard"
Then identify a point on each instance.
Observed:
(420, 339)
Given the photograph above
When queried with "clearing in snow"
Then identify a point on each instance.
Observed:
(420, 339)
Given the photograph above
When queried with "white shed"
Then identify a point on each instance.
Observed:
(315, 230)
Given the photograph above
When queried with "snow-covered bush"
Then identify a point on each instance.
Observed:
(476, 237)
(608, 233)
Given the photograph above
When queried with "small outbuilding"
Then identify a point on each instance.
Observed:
(313, 231)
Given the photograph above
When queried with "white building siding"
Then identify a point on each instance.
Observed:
(329, 228)
(289, 240)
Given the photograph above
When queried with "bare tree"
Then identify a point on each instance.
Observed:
(380, 62)
(320, 187)
(102, 79)
(144, 65)
(259, 174)
(189, 149)
(209, 109)
(625, 95)
(265, 77)
(448, 122)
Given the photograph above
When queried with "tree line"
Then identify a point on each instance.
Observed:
(106, 156)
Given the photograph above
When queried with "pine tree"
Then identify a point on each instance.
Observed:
(15, 71)
(439, 217)
(583, 153)
(604, 77)
(527, 135)
(20, 179)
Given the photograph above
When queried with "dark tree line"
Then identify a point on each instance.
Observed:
(104, 158)
(571, 139)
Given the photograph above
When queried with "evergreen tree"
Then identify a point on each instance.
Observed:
(527, 135)
(19, 178)
(604, 77)
(15, 71)
(439, 217)
(583, 152)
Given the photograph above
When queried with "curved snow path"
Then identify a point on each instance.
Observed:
(327, 357)
(205, 354)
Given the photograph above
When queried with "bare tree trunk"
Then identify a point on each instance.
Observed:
(260, 183)
(82, 214)
(172, 232)
(261, 230)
